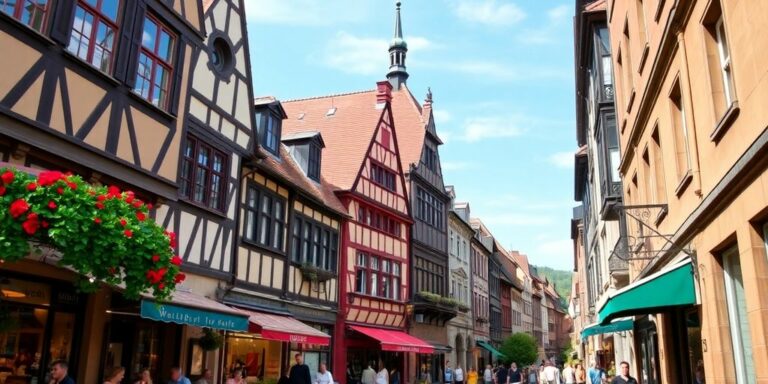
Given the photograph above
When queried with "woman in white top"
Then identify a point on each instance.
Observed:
(458, 375)
(383, 376)
(324, 376)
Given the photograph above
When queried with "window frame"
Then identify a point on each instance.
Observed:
(301, 255)
(380, 175)
(273, 132)
(156, 61)
(374, 277)
(98, 18)
(430, 210)
(190, 181)
(724, 56)
(18, 8)
(254, 236)
(386, 223)
(740, 357)
(313, 162)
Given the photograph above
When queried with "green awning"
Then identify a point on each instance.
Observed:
(616, 326)
(490, 349)
(670, 287)
(188, 308)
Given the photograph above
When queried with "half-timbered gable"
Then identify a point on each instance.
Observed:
(116, 96)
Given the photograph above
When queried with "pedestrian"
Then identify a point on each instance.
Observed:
(394, 376)
(623, 377)
(472, 376)
(145, 377)
(488, 375)
(581, 374)
(383, 376)
(237, 377)
(59, 373)
(299, 373)
(369, 375)
(515, 375)
(458, 375)
(324, 375)
(550, 375)
(569, 374)
(115, 375)
(447, 373)
(597, 374)
(177, 377)
(502, 375)
(425, 377)
(206, 377)
(533, 375)
(699, 378)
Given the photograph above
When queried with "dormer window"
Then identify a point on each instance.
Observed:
(269, 120)
(313, 166)
(306, 149)
(271, 134)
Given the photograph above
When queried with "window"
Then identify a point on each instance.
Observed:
(155, 69)
(314, 243)
(604, 53)
(379, 220)
(377, 276)
(203, 174)
(94, 32)
(269, 127)
(221, 56)
(313, 168)
(383, 177)
(657, 168)
(680, 127)
(32, 13)
(741, 339)
(430, 277)
(430, 158)
(719, 60)
(265, 220)
(429, 208)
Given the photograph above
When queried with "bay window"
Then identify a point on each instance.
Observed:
(377, 276)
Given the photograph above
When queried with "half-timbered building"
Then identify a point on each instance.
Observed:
(145, 95)
(362, 163)
(286, 274)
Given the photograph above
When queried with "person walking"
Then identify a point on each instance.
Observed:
(383, 376)
(425, 377)
(394, 376)
(551, 375)
(145, 377)
(299, 373)
(447, 373)
(533, 375)
(324, 375)
(458, 375)
(369, 375)
(472, 376)
(515, 375)
(178, 378)
(596, 374)
(206, 377)
(581, 374)
(502, 375)
(488, 375)
(623, 377)
(60, 373)
(569, 374)
(115, 375)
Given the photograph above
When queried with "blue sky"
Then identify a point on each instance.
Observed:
(501, 73)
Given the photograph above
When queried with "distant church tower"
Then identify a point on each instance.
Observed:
(397, 49)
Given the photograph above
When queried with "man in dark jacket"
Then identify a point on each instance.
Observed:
(300, 372)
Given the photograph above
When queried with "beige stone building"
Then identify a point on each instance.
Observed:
(691, 90)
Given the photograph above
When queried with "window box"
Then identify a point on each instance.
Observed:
(429, 296)
(315, 274)
(463, 308)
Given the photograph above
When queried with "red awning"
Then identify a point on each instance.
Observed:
(396, 341)
(284, 328)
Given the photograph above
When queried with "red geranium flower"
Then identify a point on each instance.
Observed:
(31, 186)
(99, 205)
(137, 204)
(19, 207)
(155, 258)
(60, 190)
(101, 197)
(51, 204)
(128, 233)
(47, 178)
(179, 277)
(172, 239)
(97, 220)
(113, 191)
(2, 190)
(149, 207)
(176, 260)
(44, 224)
(8, 177)
(140, 216)
(30, 226)
(72, 185)
(123, 222)
(161, 286)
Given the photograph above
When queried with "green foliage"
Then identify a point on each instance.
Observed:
(520, 348)
(211, 340)
(561, 280)
(449, 301)
(567, 352)
(101, 232)
(430, 297)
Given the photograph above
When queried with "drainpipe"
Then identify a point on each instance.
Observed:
(692, 140)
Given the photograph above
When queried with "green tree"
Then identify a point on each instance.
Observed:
(520, 348)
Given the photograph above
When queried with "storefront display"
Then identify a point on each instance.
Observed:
(259, 359)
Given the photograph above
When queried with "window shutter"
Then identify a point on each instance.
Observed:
(178, 71)
(132, 60)
(62, 21)
(124, 44)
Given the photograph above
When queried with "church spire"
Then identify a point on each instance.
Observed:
(397, 50)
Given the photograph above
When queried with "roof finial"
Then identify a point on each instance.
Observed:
(429, 95)
(398, 26)
(397, 50)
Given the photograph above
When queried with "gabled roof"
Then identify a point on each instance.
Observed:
(289, 171)
(347, 123)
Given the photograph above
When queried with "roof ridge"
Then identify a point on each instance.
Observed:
(327, 96)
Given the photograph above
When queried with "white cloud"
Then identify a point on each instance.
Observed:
(562, 159)
(493, 71)
(365, 55)
(482, 128)
(489, 12)
(560, 13)
(549, 32)
(306, 12)
(442, 116)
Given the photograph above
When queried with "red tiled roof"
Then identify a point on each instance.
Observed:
(347, 133)
(287, 169)
(410, 121)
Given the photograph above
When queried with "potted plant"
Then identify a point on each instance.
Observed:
(429, 297)
(211, 340)
(315, 274)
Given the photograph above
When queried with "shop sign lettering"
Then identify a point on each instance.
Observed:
(298, 339)
(194, 317)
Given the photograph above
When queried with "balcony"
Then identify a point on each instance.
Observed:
(431, 308)
(611, 193)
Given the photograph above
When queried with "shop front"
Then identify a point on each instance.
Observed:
(488, 354)
(382, 348)
(264, 352)
(40, 321)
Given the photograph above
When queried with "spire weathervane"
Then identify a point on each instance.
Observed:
(397, 49)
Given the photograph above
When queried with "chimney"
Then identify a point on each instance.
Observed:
(384, 92)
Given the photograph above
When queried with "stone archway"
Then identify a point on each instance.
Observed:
(460, 352)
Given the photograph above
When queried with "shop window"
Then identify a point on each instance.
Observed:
(94, 32)
(741, 339)
(260, 359)
(204, 174)
(32, 13)
(265, 218)
(314, 243)
(154, 74)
